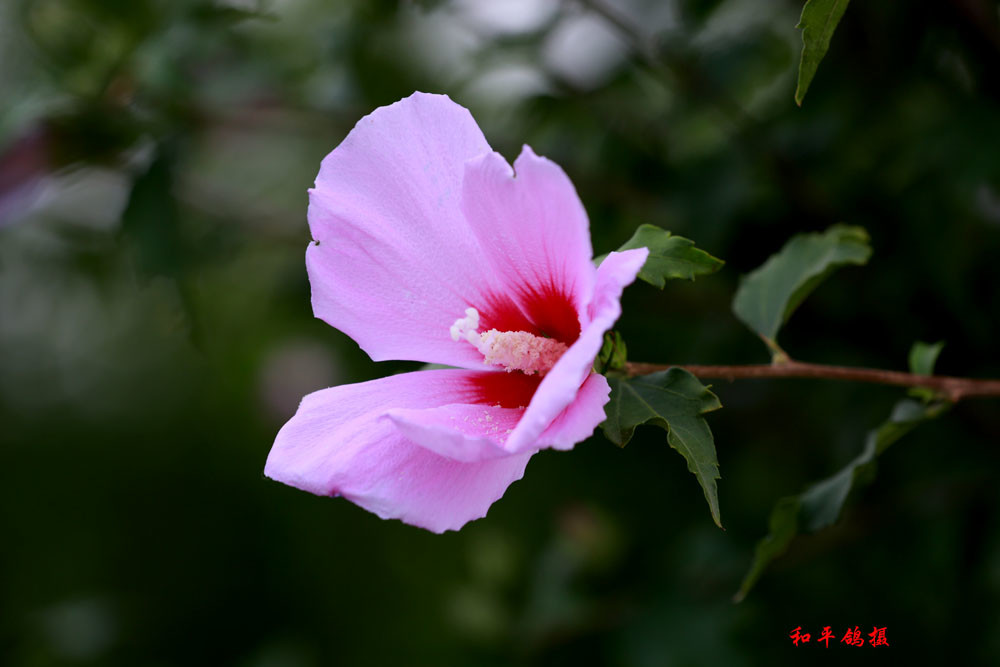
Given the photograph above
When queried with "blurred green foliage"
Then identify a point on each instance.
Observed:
(155, 332)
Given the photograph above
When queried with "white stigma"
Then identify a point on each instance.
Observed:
(467, 327)
(514, 350)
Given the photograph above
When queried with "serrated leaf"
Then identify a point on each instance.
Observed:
(768, 296)
(818, 21)
(670, 257)
(676, 401)
(822, 503)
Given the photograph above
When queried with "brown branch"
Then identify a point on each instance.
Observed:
(952, 388)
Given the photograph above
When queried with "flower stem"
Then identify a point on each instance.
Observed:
(952, 388)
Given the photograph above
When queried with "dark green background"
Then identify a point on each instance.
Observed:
(155, 332)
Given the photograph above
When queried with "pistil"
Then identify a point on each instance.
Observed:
(513, 350)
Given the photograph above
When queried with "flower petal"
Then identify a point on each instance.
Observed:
(394, 263)
(535, 234)
(474, 432)
(338, 444)
(459, 431)
(560, 386)
(578, 421)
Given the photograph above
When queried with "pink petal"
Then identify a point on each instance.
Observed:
(559, 387)
(536, 237)
(339, 444)
(578, 421)
(476, 432)
(616, 272)
(462, 432)
(394, 263)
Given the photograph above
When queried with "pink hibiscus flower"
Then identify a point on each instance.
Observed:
(430, 247)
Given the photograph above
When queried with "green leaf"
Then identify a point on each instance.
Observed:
(151, 221)
(923, 356)
(669, 256)
(613, 354)
(674, 400)
(431, 367)
(783, 525)
(151, 226)
(822, 503)
(819, 20)
(768, 296)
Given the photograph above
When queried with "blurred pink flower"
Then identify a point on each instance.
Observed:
(429, 247)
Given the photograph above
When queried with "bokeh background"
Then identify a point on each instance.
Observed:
(156, 332)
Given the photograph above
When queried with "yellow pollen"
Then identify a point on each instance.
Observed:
(514, 350)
